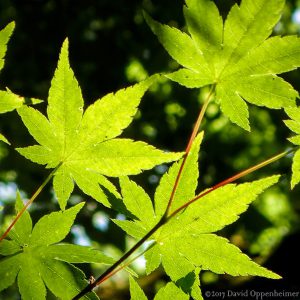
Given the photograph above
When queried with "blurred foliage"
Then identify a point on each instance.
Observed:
(112, 47)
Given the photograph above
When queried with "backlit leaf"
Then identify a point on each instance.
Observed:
(170, 291)
(37, 261)
(136, 292)
(186, 243)
(54, 227)
(82, 142)
(4, 139)
(294, 125)
(218, 255)
(4, 38)
(237, 57)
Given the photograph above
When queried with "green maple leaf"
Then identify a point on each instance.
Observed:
(170, 291)
(8, 100)
(85, 145)
(235, 56)
(186, 241)
(35, 258)
(4, 38)
(294, 125)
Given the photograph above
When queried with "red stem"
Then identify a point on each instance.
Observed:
(229, 180)
(125, 265)
(165, 218)
(112, 270)
(20, 213)
(188, 147)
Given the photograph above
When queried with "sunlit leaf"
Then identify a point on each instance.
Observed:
(236, 56)
(83, 144)
(294, 125)
(37, 261)
(186, 242)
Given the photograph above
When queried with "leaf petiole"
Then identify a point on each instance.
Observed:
(126, 264)
(33, 197)
(231, 179)
(189, 145)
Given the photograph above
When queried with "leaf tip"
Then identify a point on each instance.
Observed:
(4, 139)
(11, 26)
(174, 156)
(33, 101)
(19, 203)
(149, 81)
(151, 22)
(64, 52)
(8, 30)
(200, 135)
(273, 275)
(247, 127)
(79, 206)
(294, 183)
(145, 15)
(65, 43)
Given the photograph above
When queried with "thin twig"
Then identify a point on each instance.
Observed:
(126, 264)
(90, 287)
